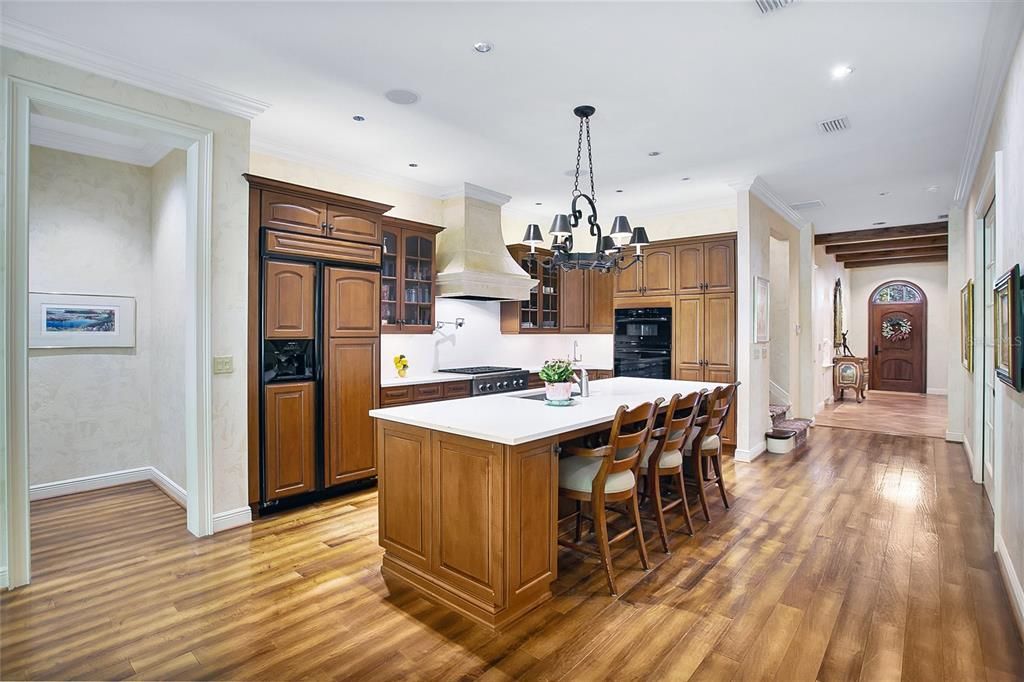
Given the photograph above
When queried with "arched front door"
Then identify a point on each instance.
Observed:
(898, 316)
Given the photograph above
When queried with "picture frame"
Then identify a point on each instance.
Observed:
(762, 306)
(1007, 325)
(80, 321)
(967, 326)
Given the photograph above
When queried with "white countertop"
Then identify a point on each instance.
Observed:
(509, 419)
(436, 377)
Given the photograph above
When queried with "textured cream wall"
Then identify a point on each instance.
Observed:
(780, 314)
(931, 277)
(826, 271)
(1006, 135)
(230, 239)
(89, 409)
(168, 315)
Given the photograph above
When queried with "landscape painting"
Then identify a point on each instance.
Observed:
(81, 321)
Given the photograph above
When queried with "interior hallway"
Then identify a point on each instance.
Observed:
(907, 414)
(862, 556)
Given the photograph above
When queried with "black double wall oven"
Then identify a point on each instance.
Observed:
(643, 343)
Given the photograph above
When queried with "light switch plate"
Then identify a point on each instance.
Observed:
(223, 364)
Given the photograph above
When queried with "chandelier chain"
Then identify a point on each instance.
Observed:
(579, 152)
(590, 163)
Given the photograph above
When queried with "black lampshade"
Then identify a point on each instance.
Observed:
(639, 237)
(608, 245)
(621, 231)
(533, 235)
(560, 226)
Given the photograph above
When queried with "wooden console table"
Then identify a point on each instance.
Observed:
(852, 373)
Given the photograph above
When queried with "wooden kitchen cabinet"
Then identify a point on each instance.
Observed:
(720, 337)
(350, 392)
(689, 338)
(720, 266)
(305, 210)
(408, 267)
(705, 343)
(629, 282)
(288, 298)
(600, 295)
(540, 314)
(353, 225)
(351, 299)
(690, 268)
(659, 270)
(423, 393)
(573, 295)
(293, 213)
(289, 442)
(694, 265)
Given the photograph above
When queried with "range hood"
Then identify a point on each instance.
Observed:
(472, 259)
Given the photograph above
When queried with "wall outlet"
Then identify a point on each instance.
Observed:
(223, 364)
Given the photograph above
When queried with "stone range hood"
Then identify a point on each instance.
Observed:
(472, 259)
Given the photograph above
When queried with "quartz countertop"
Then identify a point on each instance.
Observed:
(511, 419)
(430, 378)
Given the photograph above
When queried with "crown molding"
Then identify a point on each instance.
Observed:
(23, 37)
(1002, 35)
(468, 189)
(763, 191)
(339, 164)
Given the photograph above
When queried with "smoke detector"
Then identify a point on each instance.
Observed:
(834, 125)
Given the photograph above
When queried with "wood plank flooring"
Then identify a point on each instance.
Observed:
(906, 414)
(861, 556)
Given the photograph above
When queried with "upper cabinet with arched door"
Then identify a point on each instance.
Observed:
(897, 315)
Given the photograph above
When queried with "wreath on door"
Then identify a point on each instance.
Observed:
(896, 328)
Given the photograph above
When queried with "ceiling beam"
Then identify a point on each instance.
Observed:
(906, 243)
(890, 253)
(894, 261)
(896, 232)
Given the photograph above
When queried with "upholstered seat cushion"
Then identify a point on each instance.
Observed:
(577, 473)
(710, 443)
(669, 459)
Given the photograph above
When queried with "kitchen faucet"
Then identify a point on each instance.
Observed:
(583, 379)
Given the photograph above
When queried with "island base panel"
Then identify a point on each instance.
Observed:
(468, 523)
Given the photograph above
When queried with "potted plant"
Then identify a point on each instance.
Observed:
(557, 376)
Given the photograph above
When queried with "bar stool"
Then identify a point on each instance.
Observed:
(664, 457)
(607, 474)
(708, 444)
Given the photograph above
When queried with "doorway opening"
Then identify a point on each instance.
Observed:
(898, 319)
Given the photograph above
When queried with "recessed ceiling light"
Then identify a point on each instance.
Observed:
(402, 96)
(539, 204)
(358, 118)
(932, 188)
(482, 47)
(619, 191)
(686, 179)
(653, 153)
(880, 222)
(841, 71)
(414, 165)
(883, 194)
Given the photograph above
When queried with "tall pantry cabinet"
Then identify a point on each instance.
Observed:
(314, 341)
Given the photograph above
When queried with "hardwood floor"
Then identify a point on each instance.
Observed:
(906, 414)
(862, 556)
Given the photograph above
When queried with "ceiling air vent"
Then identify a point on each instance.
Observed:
(834, 125)
(769, 6)
(943, 216)
(804, 205)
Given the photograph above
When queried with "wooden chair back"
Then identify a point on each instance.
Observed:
(719, 403)
(680, 424)
(630, 434)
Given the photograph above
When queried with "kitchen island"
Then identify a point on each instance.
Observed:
(468, 491)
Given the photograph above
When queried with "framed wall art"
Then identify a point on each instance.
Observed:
(762, 301)
(967, 326)
(80, 321)
(1008, 318)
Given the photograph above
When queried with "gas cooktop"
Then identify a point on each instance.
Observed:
(482, 369)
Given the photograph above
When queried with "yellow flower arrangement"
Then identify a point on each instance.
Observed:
(401, 364)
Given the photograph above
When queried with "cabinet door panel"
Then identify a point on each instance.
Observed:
(690, 268)
(391, 281)
(720, 333)
(289, 453)
(288, 300)
(659, 271)
(352, 300)
(294, 214)
(404, 505)
(720, 266)
(572, 297)
(417, 292)
(689, 336)
(350, 393)
(602, 312)
(629, 282)
(353, 225)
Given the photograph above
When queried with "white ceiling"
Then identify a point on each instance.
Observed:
(721, 91)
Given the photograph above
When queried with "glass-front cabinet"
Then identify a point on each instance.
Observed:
(539, 314)
(408, 266)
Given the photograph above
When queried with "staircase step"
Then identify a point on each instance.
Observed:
(801, 426)
(778, 413)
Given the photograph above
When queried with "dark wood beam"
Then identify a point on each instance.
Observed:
(894, 261)
(890, 253)
(883, 245)
(895, 232)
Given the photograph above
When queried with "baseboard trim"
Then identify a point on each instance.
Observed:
(970, 459)
(4, 582)
(1012, 582)
(751, 454)
(43, 491)
(954, 437)
(938, 391)
(170, 488)
(231, 518)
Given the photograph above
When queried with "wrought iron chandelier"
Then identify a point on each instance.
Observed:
(609, 253)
